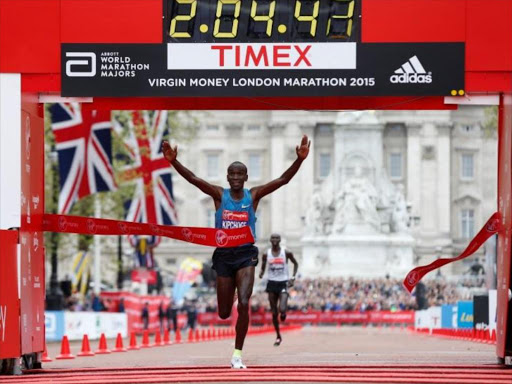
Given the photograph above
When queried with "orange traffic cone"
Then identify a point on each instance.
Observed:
(487, 336)
(119, 344)
(158, 339)
(190, 335)
(177, 337)
(86, 348)
(493, 336)
(167, 338)
(198, 335)
(133, 342)
(204, 335)
(145, 339)
(47, 359)
(102, 348)
(65, 353)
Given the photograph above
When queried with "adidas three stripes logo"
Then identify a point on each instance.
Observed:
(412, 71)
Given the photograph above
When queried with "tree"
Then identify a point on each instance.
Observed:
(490, 126)
(183, 127)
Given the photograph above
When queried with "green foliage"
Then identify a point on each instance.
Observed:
(490, 126)
(51, 186)
(182, 127)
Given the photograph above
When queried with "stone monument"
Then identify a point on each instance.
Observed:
(357, 223)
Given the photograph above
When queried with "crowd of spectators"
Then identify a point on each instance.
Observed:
(334, 294)
(357, 294)
(89, 302)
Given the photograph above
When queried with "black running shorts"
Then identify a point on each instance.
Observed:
(227, 261)
(277, 286)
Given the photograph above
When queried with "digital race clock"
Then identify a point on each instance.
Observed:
(259, 21)
(261, 48)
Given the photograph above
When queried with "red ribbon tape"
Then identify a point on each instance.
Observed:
(492, 226)
(212, 237)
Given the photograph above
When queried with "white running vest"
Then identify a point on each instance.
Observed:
(277, 266)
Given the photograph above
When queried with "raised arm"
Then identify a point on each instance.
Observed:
(171, 155)
(263, 190)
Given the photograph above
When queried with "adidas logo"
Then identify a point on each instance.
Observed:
(411, 72)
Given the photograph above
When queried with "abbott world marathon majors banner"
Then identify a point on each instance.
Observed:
(77, 324)
(262, 69)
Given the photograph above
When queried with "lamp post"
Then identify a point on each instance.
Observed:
(439, 251)
(119, 262)
(54, 298)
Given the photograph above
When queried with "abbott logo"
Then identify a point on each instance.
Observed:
(86, 58)
(411, 72)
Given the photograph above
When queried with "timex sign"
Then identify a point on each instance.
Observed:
(193, 56)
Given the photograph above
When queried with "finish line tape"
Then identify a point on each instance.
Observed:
(211, 237)
(492, 226)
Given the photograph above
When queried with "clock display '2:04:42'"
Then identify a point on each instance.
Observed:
(207, 21)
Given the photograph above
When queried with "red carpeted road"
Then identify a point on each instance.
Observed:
(314, 355)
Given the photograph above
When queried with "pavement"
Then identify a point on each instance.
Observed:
(312, 354)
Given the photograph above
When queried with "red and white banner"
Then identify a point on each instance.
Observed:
(492, 226)
(134, 304)
(261, 56)
(211, 237)
(343, 317)
(146, 275)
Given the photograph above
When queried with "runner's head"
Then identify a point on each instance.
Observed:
(237, 175)
(275, 239)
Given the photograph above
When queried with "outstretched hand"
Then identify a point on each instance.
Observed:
(169, 152)
(303, 149)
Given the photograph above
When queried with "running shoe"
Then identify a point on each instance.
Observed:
(277, 343)
(236, 363)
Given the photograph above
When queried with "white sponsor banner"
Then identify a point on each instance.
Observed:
(111, 324)
(428, 318)
(76, 324)
(493, 298)
(261, 56)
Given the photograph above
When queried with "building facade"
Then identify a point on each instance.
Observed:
(444, 161)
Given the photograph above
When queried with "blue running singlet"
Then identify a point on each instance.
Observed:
(236, 213)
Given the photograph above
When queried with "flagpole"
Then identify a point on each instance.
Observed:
(97, 252)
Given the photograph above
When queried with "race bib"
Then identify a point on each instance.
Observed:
(231, 219)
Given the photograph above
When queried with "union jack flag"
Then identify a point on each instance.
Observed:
(84, 147)
(153, 199)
